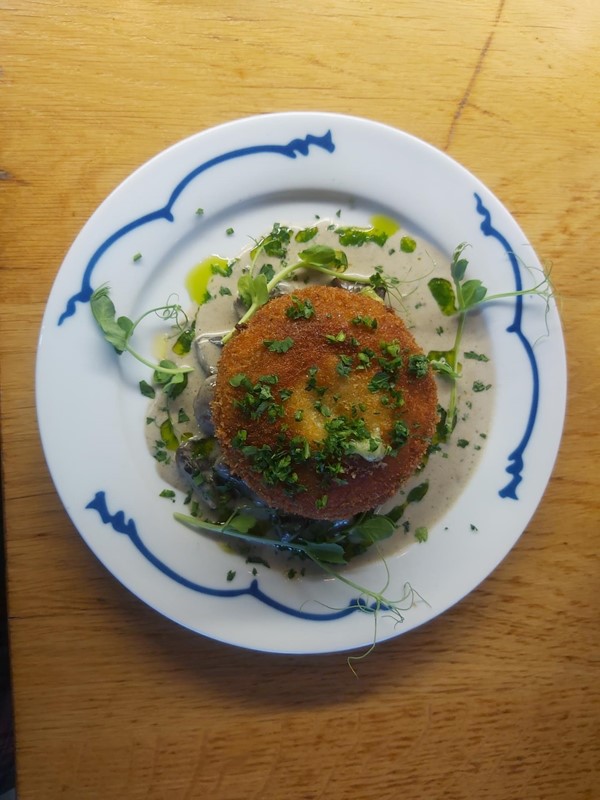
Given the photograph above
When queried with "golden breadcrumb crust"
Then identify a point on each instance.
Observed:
(319, 396)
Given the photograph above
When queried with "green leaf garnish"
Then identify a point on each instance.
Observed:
(443, 294)
(357, 237)
(366, 320)
(460, 299)
(336, 338)
(407, 245)
(320, 255)
(147, 390)
(320, 552)
(279, 345)
(300, 309)
(418, 365)
(118, 332)
(306, 234)
(473, 292)
(268, 271)
(421, 534)
(173, 382)
(254, 291)
(475, 356)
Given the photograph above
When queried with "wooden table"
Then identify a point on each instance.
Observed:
(498, 698)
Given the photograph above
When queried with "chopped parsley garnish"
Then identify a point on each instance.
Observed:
(299, 449)
(364, 358)
(300, 309)
(268, 271)
(418, 365)
(478, 386)
(322, 408)
(259, 398)
(379, 382)
(240, 438)
(357, 237)
(224, 290)
(421, 534)
(147, 390)
(276, 465)
(390, 361)
(279, 345)
(222, 267)
(168, 493)
(344, 365)
(231, 575)
(476, 356)
(399, 434)
(311, 383)
(137, 257)
(275, 244)
(366, 320)
(407, 245)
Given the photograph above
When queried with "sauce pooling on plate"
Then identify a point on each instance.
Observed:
(386, 271)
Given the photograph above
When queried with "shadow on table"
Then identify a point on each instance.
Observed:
(267, 679)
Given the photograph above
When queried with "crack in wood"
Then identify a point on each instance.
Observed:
(462, 103)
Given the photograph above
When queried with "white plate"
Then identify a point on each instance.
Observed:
(247, 175)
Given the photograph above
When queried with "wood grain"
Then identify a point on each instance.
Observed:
(497, 699)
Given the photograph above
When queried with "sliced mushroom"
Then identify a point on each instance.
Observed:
(202, 403)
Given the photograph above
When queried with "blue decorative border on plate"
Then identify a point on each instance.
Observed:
(289, 150)
(515, 468)
(127, 527)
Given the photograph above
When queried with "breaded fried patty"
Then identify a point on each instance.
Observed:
(324, 403)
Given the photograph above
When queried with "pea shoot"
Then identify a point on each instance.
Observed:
(118, 332)
(457, 298)
(254, 291)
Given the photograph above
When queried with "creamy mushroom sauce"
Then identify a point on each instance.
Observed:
(218, 309)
